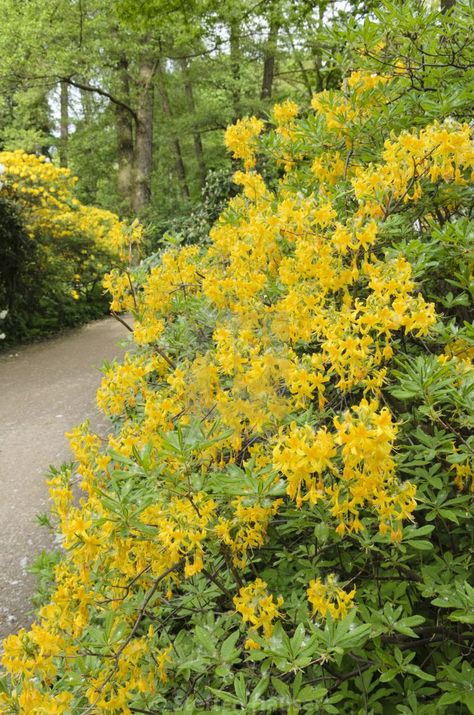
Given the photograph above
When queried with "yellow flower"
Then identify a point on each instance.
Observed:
(329, 598)
(257, 607)
(285, 112)
(240, 139)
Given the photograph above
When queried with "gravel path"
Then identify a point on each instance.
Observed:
(45, 389)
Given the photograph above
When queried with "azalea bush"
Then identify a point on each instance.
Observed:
(281, 519)
(54, 250)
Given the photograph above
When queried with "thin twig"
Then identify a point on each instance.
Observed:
(121, 320)
(165, 357)
(218, 583)
(132, 290)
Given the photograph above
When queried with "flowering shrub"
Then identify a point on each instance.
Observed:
(53, 263)
(280, 520)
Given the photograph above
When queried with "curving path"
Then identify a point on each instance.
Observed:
(45, 389)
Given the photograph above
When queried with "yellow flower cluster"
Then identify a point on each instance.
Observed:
(34, 651)
(284, 115)
(464, 475)
(344, 111)
(240, 139)
(328, 598)
(33, 702)
(35, 178)
(246, 529)
(122, 385)
(354, 468)
(129, 677)
(180, 526)
(437, 152)
(257, 607)
(329, 167)
(285, 112)
(361, 81)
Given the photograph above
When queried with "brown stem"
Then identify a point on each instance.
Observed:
(121, 320)
(218, 583)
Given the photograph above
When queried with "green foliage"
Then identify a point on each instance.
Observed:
(195, 226)
(18, 273)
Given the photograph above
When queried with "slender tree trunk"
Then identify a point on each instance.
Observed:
(179, 163)
(299, 62)
(235, 68)
(86, 105)
(144, 135)
(198, 150)
(447, 5)
(269, 58)
(63, 123)
(125, 146)
(316, 50)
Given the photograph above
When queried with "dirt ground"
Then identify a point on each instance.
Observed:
(45, 389)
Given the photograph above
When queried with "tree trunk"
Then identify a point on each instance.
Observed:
(447, 5)
(235, 68)
(87, 105)
(125, 147)
(144, 135)
(198, 150)
(179, 163)
(299, 62)
(63, 123)
(269, 58)
(316, 50)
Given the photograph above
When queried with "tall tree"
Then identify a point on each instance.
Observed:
(191, 106)
(144, 132)
(63, 123)
(178, 154)
(124, 119)
(269, 53)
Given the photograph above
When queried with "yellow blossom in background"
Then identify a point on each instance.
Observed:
(285, 112)
(45, 193)
(464, 476)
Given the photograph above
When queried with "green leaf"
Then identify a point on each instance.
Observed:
(415, 670)
(228, 650)
(388, 675)
(259, 690)
(297, 639)
(449, 698)
(223, 695)
(204, 639)
(421, 544)
(281, 688)
(240, 689)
